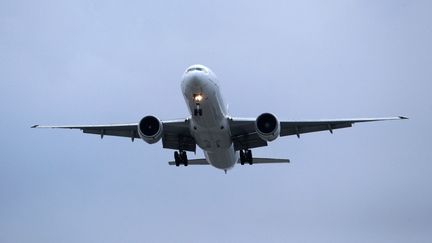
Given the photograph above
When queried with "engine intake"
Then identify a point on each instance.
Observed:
(150, 129)
(267, 126)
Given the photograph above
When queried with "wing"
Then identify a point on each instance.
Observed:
(176, 133)
(244, 135)
(121, 130)
(300, 127)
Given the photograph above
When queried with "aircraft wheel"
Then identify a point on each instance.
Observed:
(249, 156)
(184, 158)
(177, 158)
(242, 157)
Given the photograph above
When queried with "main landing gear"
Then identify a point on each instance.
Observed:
(180, 158)
(246, 156)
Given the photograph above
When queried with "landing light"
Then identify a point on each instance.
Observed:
(198, 98)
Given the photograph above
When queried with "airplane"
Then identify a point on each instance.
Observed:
(225, 140)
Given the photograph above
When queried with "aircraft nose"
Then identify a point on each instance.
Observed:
(194, 80)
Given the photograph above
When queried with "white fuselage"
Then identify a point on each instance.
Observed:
(211, 129)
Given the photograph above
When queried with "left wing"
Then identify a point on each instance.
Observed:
(176, 134)
(244, 134)
(300, 127)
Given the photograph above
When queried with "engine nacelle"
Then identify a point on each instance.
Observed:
(267, 126)
(150, 129)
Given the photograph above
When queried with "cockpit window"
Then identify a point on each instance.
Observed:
(197, 69)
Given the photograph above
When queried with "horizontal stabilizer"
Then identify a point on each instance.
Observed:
(255, 161)
(192, 162)
(269, 161)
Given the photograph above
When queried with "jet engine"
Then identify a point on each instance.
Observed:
(267, 126)
(150, 129)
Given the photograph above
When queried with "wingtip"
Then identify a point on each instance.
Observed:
(34, 126)
(403, 117)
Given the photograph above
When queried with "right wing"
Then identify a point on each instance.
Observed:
(120, 130)
(176, 134)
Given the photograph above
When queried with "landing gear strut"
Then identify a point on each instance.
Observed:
(246, 157)
(180, 158)
(198, 110)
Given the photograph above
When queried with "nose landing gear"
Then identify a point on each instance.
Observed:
(180, 158)
(246, 156)
(197, 110)
(198, 98)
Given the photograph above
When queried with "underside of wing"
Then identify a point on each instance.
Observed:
(121, 130)
(299, 127)
(175, 133)
(177, 136)
(245, 136)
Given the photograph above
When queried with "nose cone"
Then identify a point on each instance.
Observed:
(195, 80)
(197, 77)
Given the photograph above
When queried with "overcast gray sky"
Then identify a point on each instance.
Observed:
(75, 62)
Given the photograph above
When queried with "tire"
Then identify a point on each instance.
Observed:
(249, 157)
(184, 158)
(177, 158)
(242, 157)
